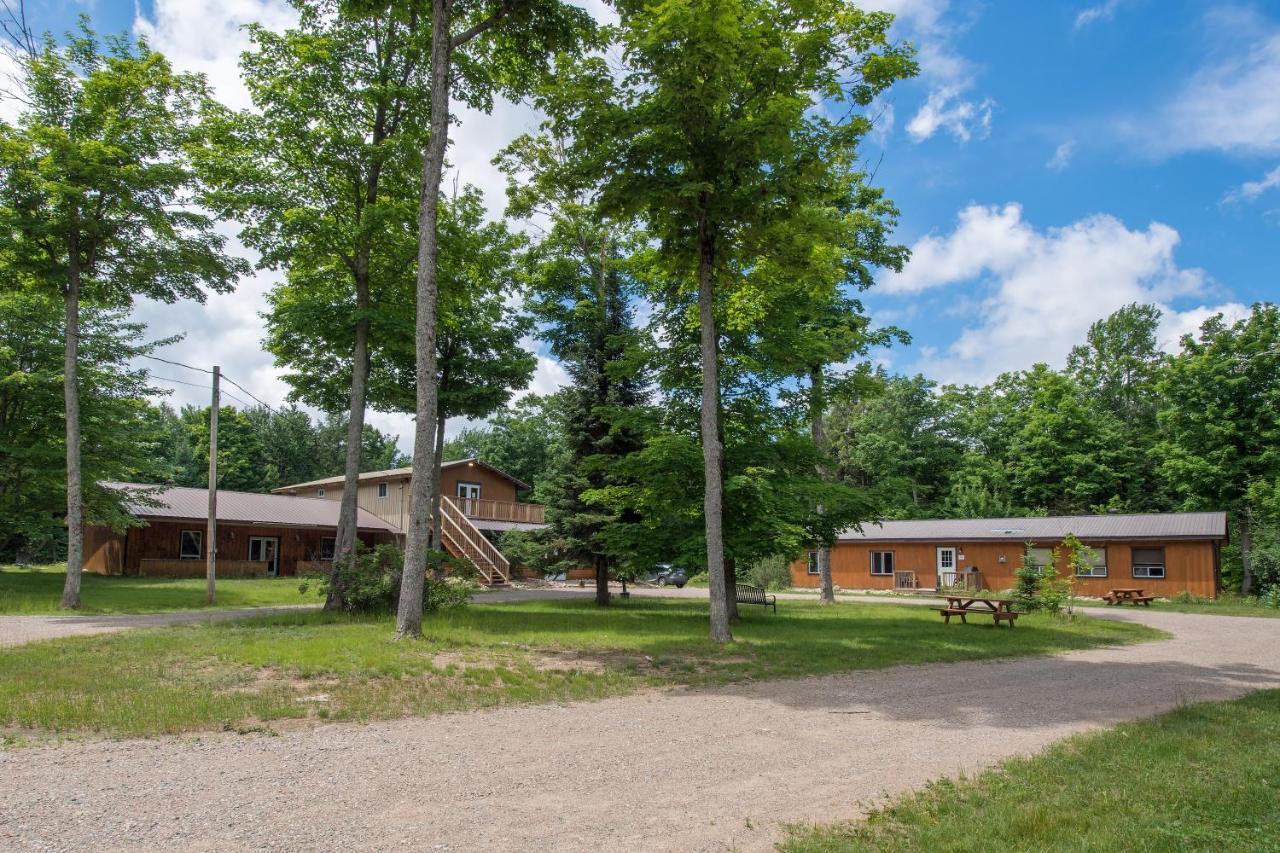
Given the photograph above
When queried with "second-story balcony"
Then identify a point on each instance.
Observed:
(483, 509)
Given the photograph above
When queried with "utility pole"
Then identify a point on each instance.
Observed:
(211, 535)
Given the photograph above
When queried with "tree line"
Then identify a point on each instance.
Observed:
(688, 231)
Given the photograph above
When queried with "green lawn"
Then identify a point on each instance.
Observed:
(1225, 605)
(1204, 777)
(38, 590)
(317, 665)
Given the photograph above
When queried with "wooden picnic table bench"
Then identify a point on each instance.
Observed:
(1132, 595)
(745, 593)
(999, 609)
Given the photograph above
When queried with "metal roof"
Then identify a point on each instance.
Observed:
(399, 472)
(1161, 525)
(242, 507)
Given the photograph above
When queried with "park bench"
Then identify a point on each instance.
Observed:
(999, 609)
(747, 594)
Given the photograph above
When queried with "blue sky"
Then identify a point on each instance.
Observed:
(1053, 161)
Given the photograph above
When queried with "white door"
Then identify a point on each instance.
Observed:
(946, 564)
(468, 493)
(265, 549)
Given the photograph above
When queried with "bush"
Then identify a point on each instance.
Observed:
(1026, 589)
(770, 573)
(370, 581)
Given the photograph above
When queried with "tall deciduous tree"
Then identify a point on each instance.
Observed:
(323, 172)
(96, 201)
(483, 47)
(120, 438)
(1221, 420)
(710, 135)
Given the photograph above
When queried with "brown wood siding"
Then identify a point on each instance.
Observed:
(160, 540)
(1190, 565)
(394, 507)
(103, 550)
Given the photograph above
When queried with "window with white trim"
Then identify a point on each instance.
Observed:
(1148, 562)
(1097, 567)
(189, 546)
(1041, 557)
(813, 562)
(382, 490)
(882, 562)
(320, 492)
(328, 546)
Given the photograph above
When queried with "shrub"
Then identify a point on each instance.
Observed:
(1026, 589)
(770, 573)
(370, 580)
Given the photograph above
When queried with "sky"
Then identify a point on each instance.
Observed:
(1052, 162)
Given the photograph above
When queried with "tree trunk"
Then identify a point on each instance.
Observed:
(422, 492)
(818, 408)
(602, 581)
(71, 394)
(348, 511)
(1246, 556)
(712, 449)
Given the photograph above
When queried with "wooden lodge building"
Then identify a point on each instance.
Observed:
(292, 530)
(1163, 553)
(258, 535)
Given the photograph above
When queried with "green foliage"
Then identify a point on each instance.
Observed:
(260, 449)
(1026, 591)
(525, 439)
(121, 440)
(770, 573)
(370, 581)
(97, 175)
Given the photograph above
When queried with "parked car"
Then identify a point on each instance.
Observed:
(665, 574)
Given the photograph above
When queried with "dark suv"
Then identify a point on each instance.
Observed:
(665, 573)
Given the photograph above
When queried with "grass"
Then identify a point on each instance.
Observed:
(37, 590)
(1203, 777)
(311, 665)
(1226, 604)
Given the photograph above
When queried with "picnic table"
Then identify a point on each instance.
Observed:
(999, 609)
(1131, 595)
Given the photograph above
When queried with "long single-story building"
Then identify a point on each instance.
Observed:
(258, 535)
(1163, 553)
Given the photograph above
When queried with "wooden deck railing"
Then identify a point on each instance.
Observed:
(491, 510)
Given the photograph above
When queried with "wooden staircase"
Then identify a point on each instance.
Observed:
(464, 540)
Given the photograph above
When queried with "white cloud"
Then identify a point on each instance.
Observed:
(1062, 155)
(947, 109)
(1102, 12)
(1175, 324)
(1232, 103)
(1250, 190)
(1042, 288)
(950, 77)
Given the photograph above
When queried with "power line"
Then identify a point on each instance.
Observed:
(178, 381)
(175, 363)
(247, 391)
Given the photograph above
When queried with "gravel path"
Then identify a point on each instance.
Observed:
(16, 630)
(681, 770)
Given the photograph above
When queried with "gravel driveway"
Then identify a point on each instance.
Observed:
(680, 770)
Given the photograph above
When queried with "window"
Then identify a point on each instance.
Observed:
(1148, 562)
(320, 492)
(189, 546)
(882, 562)
(1097, 567)
(328, 544)
(382, 490)
(1041, 557)
(813, 562)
